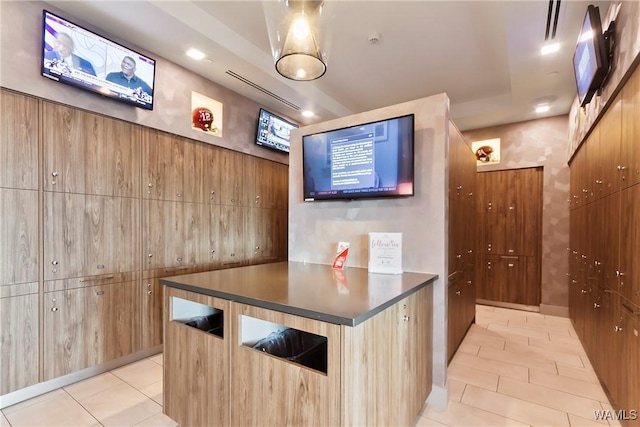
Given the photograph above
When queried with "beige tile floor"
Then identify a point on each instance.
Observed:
(514, 368)
(518, 368)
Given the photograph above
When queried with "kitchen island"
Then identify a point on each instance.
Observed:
(363, 343)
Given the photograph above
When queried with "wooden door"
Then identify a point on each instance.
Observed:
(214, 245)
(231, 228)
(19, 334)
(162, 165)
(211, 173)
(90, 154)
(18, 236)
(89, 235)
(454, 313)
(152, 304)
(174, 233)
(85, 327)
(19, 124)
(281, 193)
(607, 179)
(193, 175)
(629, 166)
(231, 177)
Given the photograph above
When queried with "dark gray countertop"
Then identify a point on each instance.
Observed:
(315, 291)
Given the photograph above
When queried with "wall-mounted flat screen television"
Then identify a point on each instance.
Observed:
(273, 131)
(369, 160)
(590, 59)
(79, 57)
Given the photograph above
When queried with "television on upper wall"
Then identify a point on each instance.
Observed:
(274, 131)
(76, 56)
(369, 160)
(591, 58)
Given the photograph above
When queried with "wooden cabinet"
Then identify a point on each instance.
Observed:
(232, 228)
(211, 173)
(233, 179)
(19, 335)
(604, 293)
(89, 325)
(462, 240)
(19, 126)
(88, 235)
(510, 236)
(89, 154)
(196, 365)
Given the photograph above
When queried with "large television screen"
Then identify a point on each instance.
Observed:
(79, 57)
(368, 160)
(590, 59)
(274, 131)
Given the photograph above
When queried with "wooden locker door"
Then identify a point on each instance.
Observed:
(19, 353)
(231, 228)
(195, 247)
(214, 248)
(629, 167)
(231, 177)
(250, 171)
(630, 244)
(162, 165)
(211, 173)
(610, 242)
(163, 233)
(88, 235)
(19, 236)
(530, 197)
(151, 321)
(607, 180)
(282, 186)
(69, 134)
(19, 124)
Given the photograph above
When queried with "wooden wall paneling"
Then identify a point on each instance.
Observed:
(19, 334)
(19, 236)
(89, 235)
(629, 167)
(630, 244)
(196, 365)
(162, 165)
(606, 311)
(19, 125)
(193, 187)
(85, 327)
(289, 394)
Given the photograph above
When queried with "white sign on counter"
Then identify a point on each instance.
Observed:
(385, 253)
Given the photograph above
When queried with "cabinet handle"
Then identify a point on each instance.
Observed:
(406, 318)
(621, 168)
(617, 328)
(458, 292)
(93, 279)
(99, 292)
(598, 181)
(596, 305)
(583, 291)
(179, 195)
(149, 292)
(54, 262)
(459, 256)
(54, 309)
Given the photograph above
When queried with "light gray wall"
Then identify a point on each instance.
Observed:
(20, 57)
(315, 228)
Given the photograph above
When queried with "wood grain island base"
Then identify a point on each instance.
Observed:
(332, 348)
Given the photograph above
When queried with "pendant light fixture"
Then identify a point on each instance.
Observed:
(293, 27)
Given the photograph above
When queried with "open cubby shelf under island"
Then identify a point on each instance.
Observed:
(361, 352)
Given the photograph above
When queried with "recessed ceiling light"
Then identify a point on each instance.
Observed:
(542, 108)
(195, 54)
(308, 113)
(550, 48)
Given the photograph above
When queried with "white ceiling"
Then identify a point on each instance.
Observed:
(484, 54)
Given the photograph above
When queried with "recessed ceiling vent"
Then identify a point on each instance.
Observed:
(263, 90)
(552, 15)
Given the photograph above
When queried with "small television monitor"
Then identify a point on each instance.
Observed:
(590, 59)
(79, 57)
(273, 131)
(370, 160)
